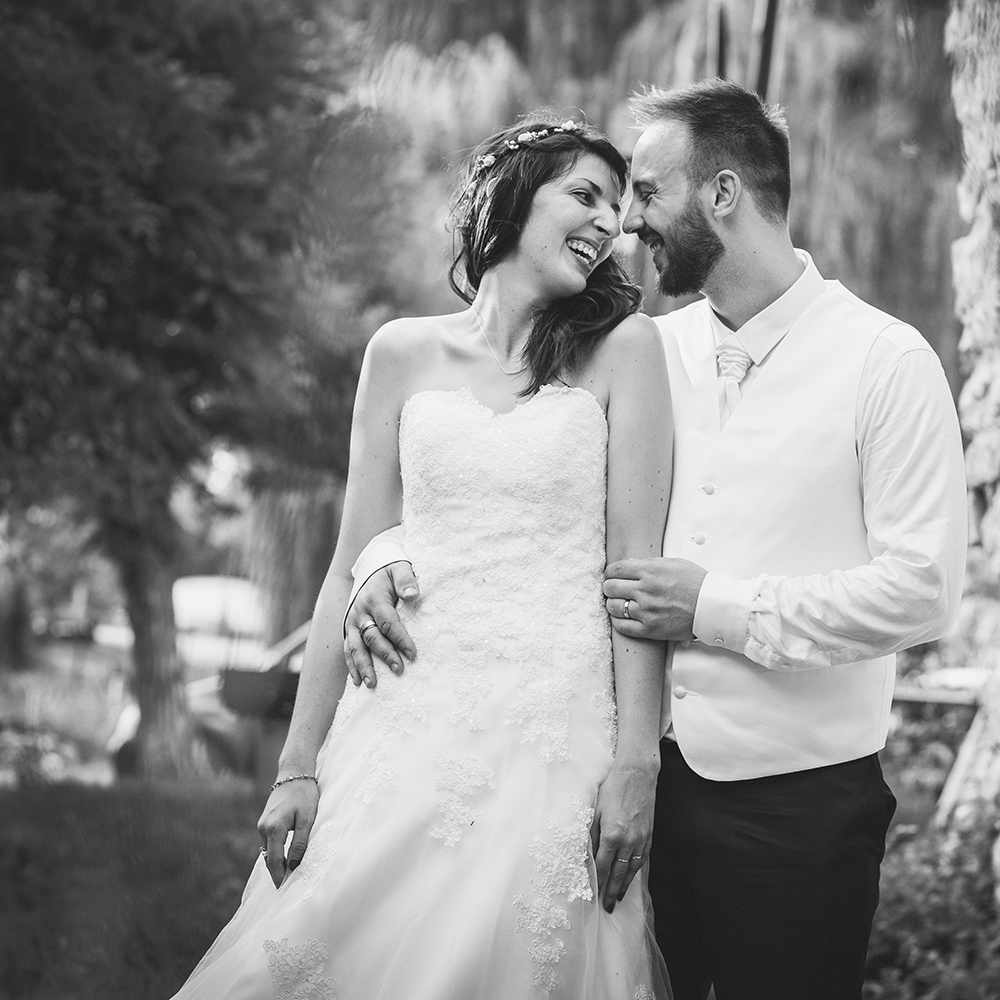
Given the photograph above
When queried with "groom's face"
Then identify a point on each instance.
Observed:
(667, 214)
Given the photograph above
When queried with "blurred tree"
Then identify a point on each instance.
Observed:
(556, 39)
(159, 169)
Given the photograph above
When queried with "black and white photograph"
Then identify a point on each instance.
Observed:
(499, 501)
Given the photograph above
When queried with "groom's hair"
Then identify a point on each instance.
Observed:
(731, 128)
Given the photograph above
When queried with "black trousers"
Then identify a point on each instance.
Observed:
(767, 887)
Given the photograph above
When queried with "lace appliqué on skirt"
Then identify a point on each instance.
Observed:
(562, 871)
(458, 777)
(297, 971)
(318, 858)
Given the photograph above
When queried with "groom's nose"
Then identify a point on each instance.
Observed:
(632, 222)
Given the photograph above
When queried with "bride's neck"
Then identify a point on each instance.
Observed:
(505, 312)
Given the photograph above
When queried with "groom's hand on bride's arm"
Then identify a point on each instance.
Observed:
(376, 602)
(662, 595)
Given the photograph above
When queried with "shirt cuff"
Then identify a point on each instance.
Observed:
(385, 548)
(722, 614)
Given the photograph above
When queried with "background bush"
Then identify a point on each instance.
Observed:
(937, 931)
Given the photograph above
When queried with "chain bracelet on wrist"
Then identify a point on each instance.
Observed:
(294, 777)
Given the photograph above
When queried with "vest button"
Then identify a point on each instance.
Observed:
(708, 488)
(718, 640)
(698, 539)
(680, 692)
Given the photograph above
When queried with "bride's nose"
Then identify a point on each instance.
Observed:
(608, 223)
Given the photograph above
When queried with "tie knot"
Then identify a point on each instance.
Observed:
(732, 358)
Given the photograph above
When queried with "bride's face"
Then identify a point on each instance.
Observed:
(570, 229)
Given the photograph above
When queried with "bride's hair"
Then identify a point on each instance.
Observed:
(497, 187)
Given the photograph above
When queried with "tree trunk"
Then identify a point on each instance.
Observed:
(15, 610)
(164, 736)
(291, 541)
(973, 41)
(15, 615)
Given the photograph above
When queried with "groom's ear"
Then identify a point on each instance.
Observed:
(726, 189)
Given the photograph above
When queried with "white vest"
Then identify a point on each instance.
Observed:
(777, 491)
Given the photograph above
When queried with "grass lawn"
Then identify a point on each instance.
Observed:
(115, 893)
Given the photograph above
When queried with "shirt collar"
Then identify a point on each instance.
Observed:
(760, 334)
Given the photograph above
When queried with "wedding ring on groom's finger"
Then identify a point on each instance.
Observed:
(628, 601)
(370, 624)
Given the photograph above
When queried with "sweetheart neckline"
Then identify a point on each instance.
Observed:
(467, 392)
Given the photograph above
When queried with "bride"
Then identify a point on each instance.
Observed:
(476, 826)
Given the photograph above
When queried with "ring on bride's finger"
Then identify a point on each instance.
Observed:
(621, 861)
(636, 857)
(628, 601)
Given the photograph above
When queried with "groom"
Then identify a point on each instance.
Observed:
(816, 527)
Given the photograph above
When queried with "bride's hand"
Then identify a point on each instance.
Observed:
(291, 807)
(622, 828)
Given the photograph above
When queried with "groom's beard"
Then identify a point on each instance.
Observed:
(691, 250)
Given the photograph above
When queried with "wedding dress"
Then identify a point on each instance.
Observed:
(450, 857)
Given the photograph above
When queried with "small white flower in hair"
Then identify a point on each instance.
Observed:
(569, 125)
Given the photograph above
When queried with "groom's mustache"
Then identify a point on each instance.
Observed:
(646, 235)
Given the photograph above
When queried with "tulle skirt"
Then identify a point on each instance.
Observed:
(450, 858)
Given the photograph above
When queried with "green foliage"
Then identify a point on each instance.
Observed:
(937, 930)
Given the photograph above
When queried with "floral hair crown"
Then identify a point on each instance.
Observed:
(525, 139)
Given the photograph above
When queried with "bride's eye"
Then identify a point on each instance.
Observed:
(585, 196)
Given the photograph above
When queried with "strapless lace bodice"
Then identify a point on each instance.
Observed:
(494, 493)
(505, 518)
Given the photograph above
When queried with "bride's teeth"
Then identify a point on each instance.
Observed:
(584, 250)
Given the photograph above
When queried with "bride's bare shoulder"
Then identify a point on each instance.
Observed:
(408, 339)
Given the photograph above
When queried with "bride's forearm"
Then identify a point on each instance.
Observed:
(322, 681)
(639, 667)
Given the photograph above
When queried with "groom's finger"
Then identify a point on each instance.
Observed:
(629, 627)
(621, 590)
(616, 607)
(624, 569)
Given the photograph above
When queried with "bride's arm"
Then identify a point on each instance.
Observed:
(373, 502)
(640, 444)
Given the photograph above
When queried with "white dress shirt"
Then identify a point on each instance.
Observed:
(915, 508)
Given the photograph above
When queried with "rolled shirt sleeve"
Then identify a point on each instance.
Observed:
(915, 509)
(387, 547)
